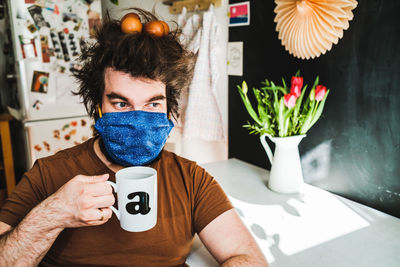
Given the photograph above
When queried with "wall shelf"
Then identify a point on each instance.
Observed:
(176, 6)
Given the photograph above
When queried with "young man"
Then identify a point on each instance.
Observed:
(59, 214)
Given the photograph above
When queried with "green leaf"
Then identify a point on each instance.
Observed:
(316, 82)
(307, 121)
(297, 107)
(248, 106)
(319, 110)
(297, 73)
(284, 86)
(281, 117)
(263, 113)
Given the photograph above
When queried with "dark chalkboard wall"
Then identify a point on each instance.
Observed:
(354, 149)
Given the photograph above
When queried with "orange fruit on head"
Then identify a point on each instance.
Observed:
(130, 23)
(133, 15)
(155, 28)
(166, 27)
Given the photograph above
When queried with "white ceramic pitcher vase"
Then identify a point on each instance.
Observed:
(286, 175)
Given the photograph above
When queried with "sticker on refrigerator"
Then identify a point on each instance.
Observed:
(56, 134)
(36, 104)
(28, 47)
(37, 16)
(44, 43)
(40, 82)
(46, 146)
(31, 27)
(56, 44)
(64, 48)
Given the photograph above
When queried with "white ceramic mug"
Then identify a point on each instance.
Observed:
(136, 189)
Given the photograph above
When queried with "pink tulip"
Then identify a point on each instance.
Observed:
(297, 84)
(290, 100)
(320, 92)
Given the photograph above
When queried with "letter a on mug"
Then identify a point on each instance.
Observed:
(136, 188)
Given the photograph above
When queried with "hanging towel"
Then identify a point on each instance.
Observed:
(203, 117)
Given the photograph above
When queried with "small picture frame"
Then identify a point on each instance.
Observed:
(239, 14)
(40, 82)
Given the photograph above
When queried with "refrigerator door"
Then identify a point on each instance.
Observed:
(48, 37)
(57, 102)
(45, 138)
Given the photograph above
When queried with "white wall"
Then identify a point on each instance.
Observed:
(194, 149)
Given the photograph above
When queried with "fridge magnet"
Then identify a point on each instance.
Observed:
(52, 53)
(54, 8)
(72, 44)
(36, 104)
(38, 148)
(67, 137)
(29, 1)
(56, 44)
(94, 21)
(28, 47)
(83, 123)
(40, 82)
(69, 16)
(72, 132)
(56, 134)
(78, 24)
(76, 143)
(31, 27)
(74, 123)
(61, 69)
(64, 48)
(66, 126)
(46, 145)
(239, 14)
(84, 138)
(235, 58)
(44, 42)
(37, 16)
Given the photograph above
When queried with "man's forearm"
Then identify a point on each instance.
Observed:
(27, 244)
(244, 260)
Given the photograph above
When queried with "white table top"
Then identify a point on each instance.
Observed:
(314, 228)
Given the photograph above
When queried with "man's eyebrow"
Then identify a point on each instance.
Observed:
(157, 97)
(115, 95)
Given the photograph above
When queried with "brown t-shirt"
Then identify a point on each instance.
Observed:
(188, 199)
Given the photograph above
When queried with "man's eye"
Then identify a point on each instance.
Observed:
(154, 105)
(120, 104)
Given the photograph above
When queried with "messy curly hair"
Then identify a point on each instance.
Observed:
(139, 54)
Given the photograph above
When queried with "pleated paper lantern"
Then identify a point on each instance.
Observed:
(308, 28)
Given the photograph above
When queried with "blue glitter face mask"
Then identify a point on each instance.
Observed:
(134, 138)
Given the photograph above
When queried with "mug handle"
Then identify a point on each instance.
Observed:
(111, 207)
